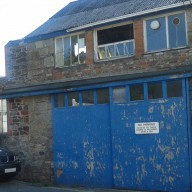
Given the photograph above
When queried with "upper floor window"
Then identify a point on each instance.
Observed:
(3, 116)
(70, 50)
(115, 42)
(166, 32)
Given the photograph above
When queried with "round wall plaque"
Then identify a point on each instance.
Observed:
(155, 25)
(176, 21)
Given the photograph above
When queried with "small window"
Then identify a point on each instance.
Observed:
(119, 95)
(115, 42)
(177, 30)
(136, 92)
(155, 90)
(70, 50)
(87, 98)
(3, 116)
(156, 36)
(166, 32)
(73, 99)
(174, 88)
(103, 96)
(59, 100)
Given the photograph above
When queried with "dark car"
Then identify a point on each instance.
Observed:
(9, 163)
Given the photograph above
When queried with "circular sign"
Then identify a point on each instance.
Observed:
(155, 25)
(176, 21)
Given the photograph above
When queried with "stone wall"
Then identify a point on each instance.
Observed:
(30, 135)
(40, 69)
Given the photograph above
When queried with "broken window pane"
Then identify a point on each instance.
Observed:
(82, 48)
(74, 49)
(70, 50)
(115, 42)
(119, 95)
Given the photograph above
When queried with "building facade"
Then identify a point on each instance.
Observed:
(100, 96)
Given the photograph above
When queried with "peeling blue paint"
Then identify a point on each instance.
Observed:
(97, 146)
(156, 161)
(82, 146)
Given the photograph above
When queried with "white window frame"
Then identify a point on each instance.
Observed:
(3, 116)
(96, 57)
(167, 31)
(69, 36)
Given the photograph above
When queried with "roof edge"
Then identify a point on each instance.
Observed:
(74, 85)
(129, 16)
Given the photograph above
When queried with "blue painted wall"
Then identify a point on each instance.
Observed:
(169, 35)
(156, 39)
(177, 33)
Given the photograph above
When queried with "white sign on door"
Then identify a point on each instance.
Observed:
(147, 128)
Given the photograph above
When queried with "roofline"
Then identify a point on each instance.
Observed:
(129, 16)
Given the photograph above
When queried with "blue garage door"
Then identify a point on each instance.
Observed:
(132, 136)
(82, 147)
(150, 137)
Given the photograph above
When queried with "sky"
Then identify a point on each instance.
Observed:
(20, 17)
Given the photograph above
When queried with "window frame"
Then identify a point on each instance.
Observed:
(167, 31)
(70, 39)
(95, 39)
(2, 111)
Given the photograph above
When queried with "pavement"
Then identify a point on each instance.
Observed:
(20, 186)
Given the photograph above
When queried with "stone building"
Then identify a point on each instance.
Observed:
(99, 96)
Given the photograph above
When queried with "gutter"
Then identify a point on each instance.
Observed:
(129, 16)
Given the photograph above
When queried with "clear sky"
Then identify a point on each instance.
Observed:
(20, 17)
